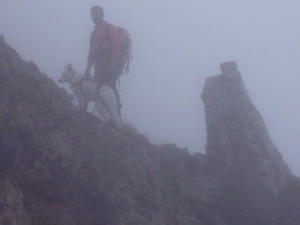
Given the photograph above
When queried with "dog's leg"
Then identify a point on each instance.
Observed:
(95, 106)
(114, 115)
(78, 98)
(109, 98)
(82, 104)
(102, 111)
(85, 105)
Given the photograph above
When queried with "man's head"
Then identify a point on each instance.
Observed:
(97, 14)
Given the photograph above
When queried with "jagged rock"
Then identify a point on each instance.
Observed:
(70, 171)
(239, 149)
(34, 67)
(58, 167)
(2, 39)
(237, 138)
(11, 205)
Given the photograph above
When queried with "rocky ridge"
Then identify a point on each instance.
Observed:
(58, 167)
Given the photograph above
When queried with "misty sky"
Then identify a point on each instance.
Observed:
(176, 45)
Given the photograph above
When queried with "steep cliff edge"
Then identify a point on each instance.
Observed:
(58, 167)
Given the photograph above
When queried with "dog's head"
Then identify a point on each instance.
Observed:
(67, 74)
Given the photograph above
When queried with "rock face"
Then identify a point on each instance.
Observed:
(58, 167)
(239, 149)
(237, 139)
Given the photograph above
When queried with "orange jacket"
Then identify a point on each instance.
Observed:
(104, 37)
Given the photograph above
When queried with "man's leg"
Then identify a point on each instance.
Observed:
(99, 75)
(106, 77)
(111, 81)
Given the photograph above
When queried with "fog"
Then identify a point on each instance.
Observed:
(176, 45)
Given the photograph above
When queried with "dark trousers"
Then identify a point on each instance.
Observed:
(104, 75)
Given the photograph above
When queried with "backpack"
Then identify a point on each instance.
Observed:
(125, 52)
(125, 56)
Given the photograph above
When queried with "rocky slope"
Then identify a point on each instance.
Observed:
(58, 167)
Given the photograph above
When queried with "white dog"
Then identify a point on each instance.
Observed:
(87, 91)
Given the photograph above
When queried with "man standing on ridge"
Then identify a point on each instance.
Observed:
(104, 52)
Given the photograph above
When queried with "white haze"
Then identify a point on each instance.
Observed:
(176, 45)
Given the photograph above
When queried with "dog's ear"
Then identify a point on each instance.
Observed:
(70, 67)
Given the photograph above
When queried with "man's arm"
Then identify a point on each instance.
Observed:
(88, 67)
(91, 60)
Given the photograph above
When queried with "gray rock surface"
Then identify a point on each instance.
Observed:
(11, 205)
(237, 138)
(59, 168)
